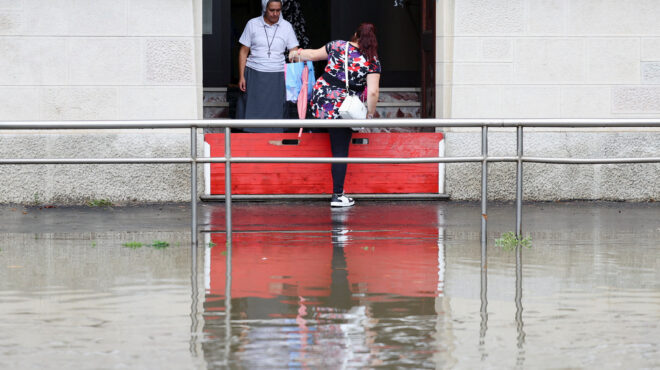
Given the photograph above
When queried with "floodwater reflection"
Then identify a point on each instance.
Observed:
(389, 284)
(331, 295)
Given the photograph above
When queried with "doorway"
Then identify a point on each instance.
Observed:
(405, 34)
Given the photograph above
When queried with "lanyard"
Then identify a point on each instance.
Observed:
(277, 26)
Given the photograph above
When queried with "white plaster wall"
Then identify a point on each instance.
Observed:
(552, 59)
(98, 60)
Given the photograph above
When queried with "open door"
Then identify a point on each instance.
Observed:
(428, 58)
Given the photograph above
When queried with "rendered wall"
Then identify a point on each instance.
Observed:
(551, 59)
(98, 60)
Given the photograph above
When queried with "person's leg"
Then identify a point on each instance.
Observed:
(340, 140)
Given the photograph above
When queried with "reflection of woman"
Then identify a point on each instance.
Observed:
(330, 91)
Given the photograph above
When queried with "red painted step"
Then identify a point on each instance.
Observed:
(312, 178)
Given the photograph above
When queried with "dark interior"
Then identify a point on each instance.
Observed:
(398, 28)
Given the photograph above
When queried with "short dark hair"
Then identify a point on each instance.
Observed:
(365, 35)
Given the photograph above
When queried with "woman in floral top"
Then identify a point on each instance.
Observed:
(330, 91)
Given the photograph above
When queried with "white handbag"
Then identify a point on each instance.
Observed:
(352, 107)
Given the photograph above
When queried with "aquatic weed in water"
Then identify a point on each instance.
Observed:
(133, 245)
(509, 241)
(159, 244)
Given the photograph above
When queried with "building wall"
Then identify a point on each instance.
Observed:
(98, 60)
(552, 59)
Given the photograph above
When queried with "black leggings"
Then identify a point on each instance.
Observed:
(340, 140)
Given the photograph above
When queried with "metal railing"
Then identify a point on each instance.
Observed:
(228, 159)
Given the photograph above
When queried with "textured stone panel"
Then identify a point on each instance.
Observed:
(544, 182)
(169, 61)
(483, 73)
(97, 18)
(70, 103)
(32, 61)
(530, 102)
(546, 17)
(636, 99)
(159, 103)
(475, 102)
(481, 17)
(19, 103)
(497, 50)
(79, 183)
(158, 17)
(95, 61)
(613, 60)
(48, 20)
(649, 13)
(466, 49)
(11, 4)
(10, 22)
(550, 60)
(651, 49)
(651, 72)
(604, 17)
(586, 101)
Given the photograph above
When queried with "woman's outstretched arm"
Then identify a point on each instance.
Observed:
(305, 55)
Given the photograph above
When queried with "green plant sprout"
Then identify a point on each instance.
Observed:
(133, 245)
(509, 241)
(159, 244)
(99, 203)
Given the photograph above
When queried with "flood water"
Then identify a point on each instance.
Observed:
(383, 284)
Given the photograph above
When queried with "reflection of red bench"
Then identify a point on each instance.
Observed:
(304, 178)
(294, 256)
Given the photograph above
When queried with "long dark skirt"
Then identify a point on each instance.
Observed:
(265, 98)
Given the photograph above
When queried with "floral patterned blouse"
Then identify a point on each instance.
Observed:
(328, 95)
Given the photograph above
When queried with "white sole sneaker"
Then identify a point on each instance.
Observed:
(341, 201)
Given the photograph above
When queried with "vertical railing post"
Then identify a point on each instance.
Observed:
(193, 184)
(484, 240)
(228, 184)
(519, 182)
(228, 245)
(484, 182)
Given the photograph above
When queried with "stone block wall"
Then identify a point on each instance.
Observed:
(98, 60)
(552, 59)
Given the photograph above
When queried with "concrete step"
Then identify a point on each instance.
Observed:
(399, 102)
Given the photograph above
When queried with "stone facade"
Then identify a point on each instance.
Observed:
(551, 59)
(142, 59)
(98, 60)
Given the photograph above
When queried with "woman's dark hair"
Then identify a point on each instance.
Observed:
(365, 35)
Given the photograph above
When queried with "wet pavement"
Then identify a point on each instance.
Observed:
(392, 284)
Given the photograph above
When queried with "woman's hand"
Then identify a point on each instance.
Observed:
(295, 55)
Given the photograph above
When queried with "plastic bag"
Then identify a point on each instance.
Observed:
(293, 75)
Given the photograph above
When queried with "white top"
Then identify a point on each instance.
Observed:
(258, 35)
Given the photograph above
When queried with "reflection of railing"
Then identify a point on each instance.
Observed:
(193, 159)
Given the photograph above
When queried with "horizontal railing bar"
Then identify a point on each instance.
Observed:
(312, 160)
(341, 160)
(293, 123)
(590, 160)
(95, 160)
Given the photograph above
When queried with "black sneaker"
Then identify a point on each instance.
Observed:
(340, 200)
